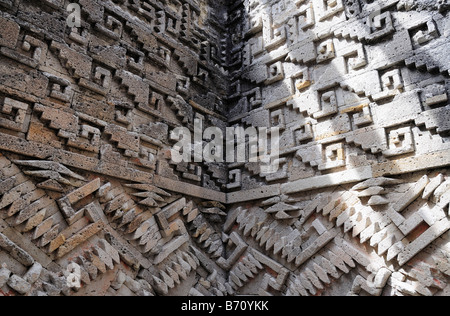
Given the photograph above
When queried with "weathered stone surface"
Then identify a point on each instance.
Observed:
(4, 276)
(9, 33)
(79, 238)
(15, 251)
(18, 284)
(33, 273)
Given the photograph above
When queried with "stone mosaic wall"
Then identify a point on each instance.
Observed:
(359, 90)
(91, 202)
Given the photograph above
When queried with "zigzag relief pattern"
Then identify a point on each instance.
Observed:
(92, 202)
(96, 230)
(379, 232)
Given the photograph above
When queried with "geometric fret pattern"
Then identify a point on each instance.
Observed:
(93, 203)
